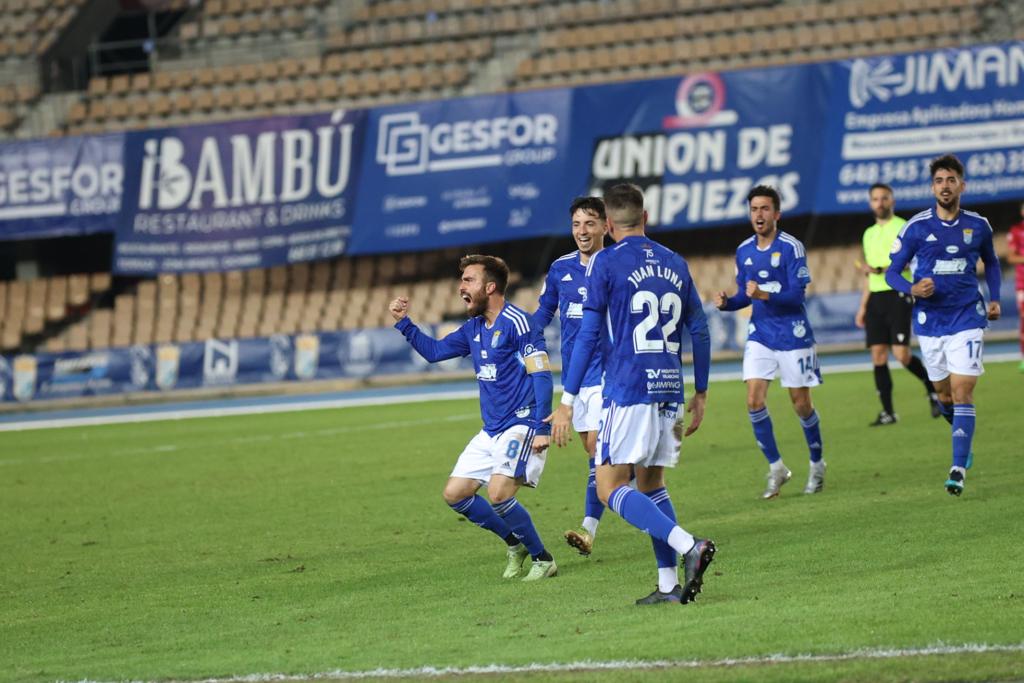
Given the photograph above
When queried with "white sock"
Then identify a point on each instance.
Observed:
(680, 541)
(961, 470)
(668, 578)
(590, 524)
(777, 466)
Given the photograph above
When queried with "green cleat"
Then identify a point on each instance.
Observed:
(581, 540)
(541, 569)
(517, 554)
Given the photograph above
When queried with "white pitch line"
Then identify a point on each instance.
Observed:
(328, 404)
(628, 664)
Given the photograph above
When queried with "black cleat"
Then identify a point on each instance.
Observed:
(955, 483)
(695, 563)
(657, 597)
(935, 406)
(884, 419)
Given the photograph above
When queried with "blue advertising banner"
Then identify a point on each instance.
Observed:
(697, 144)
(461, 171)
(53, 188)
(245, 194)
(888, 117)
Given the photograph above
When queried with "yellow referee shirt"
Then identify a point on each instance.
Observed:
(878, 241)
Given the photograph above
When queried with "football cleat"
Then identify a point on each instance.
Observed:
(517, 554)
(936, 407)
(955, 483)
(541, 569)
(695, 563)
(885, 418)
(776, 478)
(657, 597)
(815, 478)
(581, 540)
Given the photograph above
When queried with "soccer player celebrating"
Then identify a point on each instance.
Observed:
(884, 313)
(563, 292)
(1015, 242)
(512, 370)
(638, 294)
(950, 315)
(772, 276)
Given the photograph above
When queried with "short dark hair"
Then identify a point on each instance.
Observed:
(495, 269)
(766, 191)
(625, 198)
(947, 162)
(592, 205)
(880, 186)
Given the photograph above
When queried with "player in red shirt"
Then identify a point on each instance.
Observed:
(1015, 239)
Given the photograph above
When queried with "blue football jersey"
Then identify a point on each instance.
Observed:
(948, 253)
(564, 288)
(500, 356)
(645, 294)
(780, 323)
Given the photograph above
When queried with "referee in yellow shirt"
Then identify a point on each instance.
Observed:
(885, 313)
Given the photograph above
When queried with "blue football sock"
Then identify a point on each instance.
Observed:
(947, 411)
(480, 512)
(812, 432)
(765, 435)
(592, 507)
(663, 552)
(641, 512)
(518, 519)
(963, 433)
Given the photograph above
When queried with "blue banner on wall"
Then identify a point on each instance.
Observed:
(699, 143)
(246, 194)
(52, 188)
(461, 171)
(888, 117)
(493, 168)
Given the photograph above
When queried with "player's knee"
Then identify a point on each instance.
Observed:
(453, 493)
(755, 403)
(963, 395)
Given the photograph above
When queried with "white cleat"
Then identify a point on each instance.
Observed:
(815, 478)
(776, 478)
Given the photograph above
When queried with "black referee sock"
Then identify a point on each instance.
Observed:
(883, 382)
(917, 367)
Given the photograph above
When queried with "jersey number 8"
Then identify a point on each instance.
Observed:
(671, 305)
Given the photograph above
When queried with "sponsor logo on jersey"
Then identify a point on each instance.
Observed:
(488, 373)
(950, 266)
(773, 287)
(803, 273)
(762, 273)
(477, 338)
(896, 246)
(921, 317)
(968, 235)
(574, 310)
(567, 277)
(952, 249)
(776, 258)
(522, 412)
(931, 238)
(748, 262)
(799, 330)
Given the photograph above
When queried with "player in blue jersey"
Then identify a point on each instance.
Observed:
(944, 244)
(772, 276)
(512, 371)
(563, 292)
(639, 295)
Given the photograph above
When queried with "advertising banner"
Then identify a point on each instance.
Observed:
(238, 195)
(60, 187)
(455, 172)
(888, 117)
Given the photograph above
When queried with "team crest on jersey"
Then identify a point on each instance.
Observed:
(495, 337)
(799, 330)
(968, 235)
(776, 258)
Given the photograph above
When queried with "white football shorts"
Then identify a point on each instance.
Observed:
(586, 410)
(509, 453)
(639, 434)
(960, 354)
(796, 368)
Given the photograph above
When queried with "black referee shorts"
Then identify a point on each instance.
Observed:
(887, 318)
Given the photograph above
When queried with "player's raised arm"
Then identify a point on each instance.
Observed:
(452, 346)
(740, 299)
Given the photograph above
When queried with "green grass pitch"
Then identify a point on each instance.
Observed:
(318, 541)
